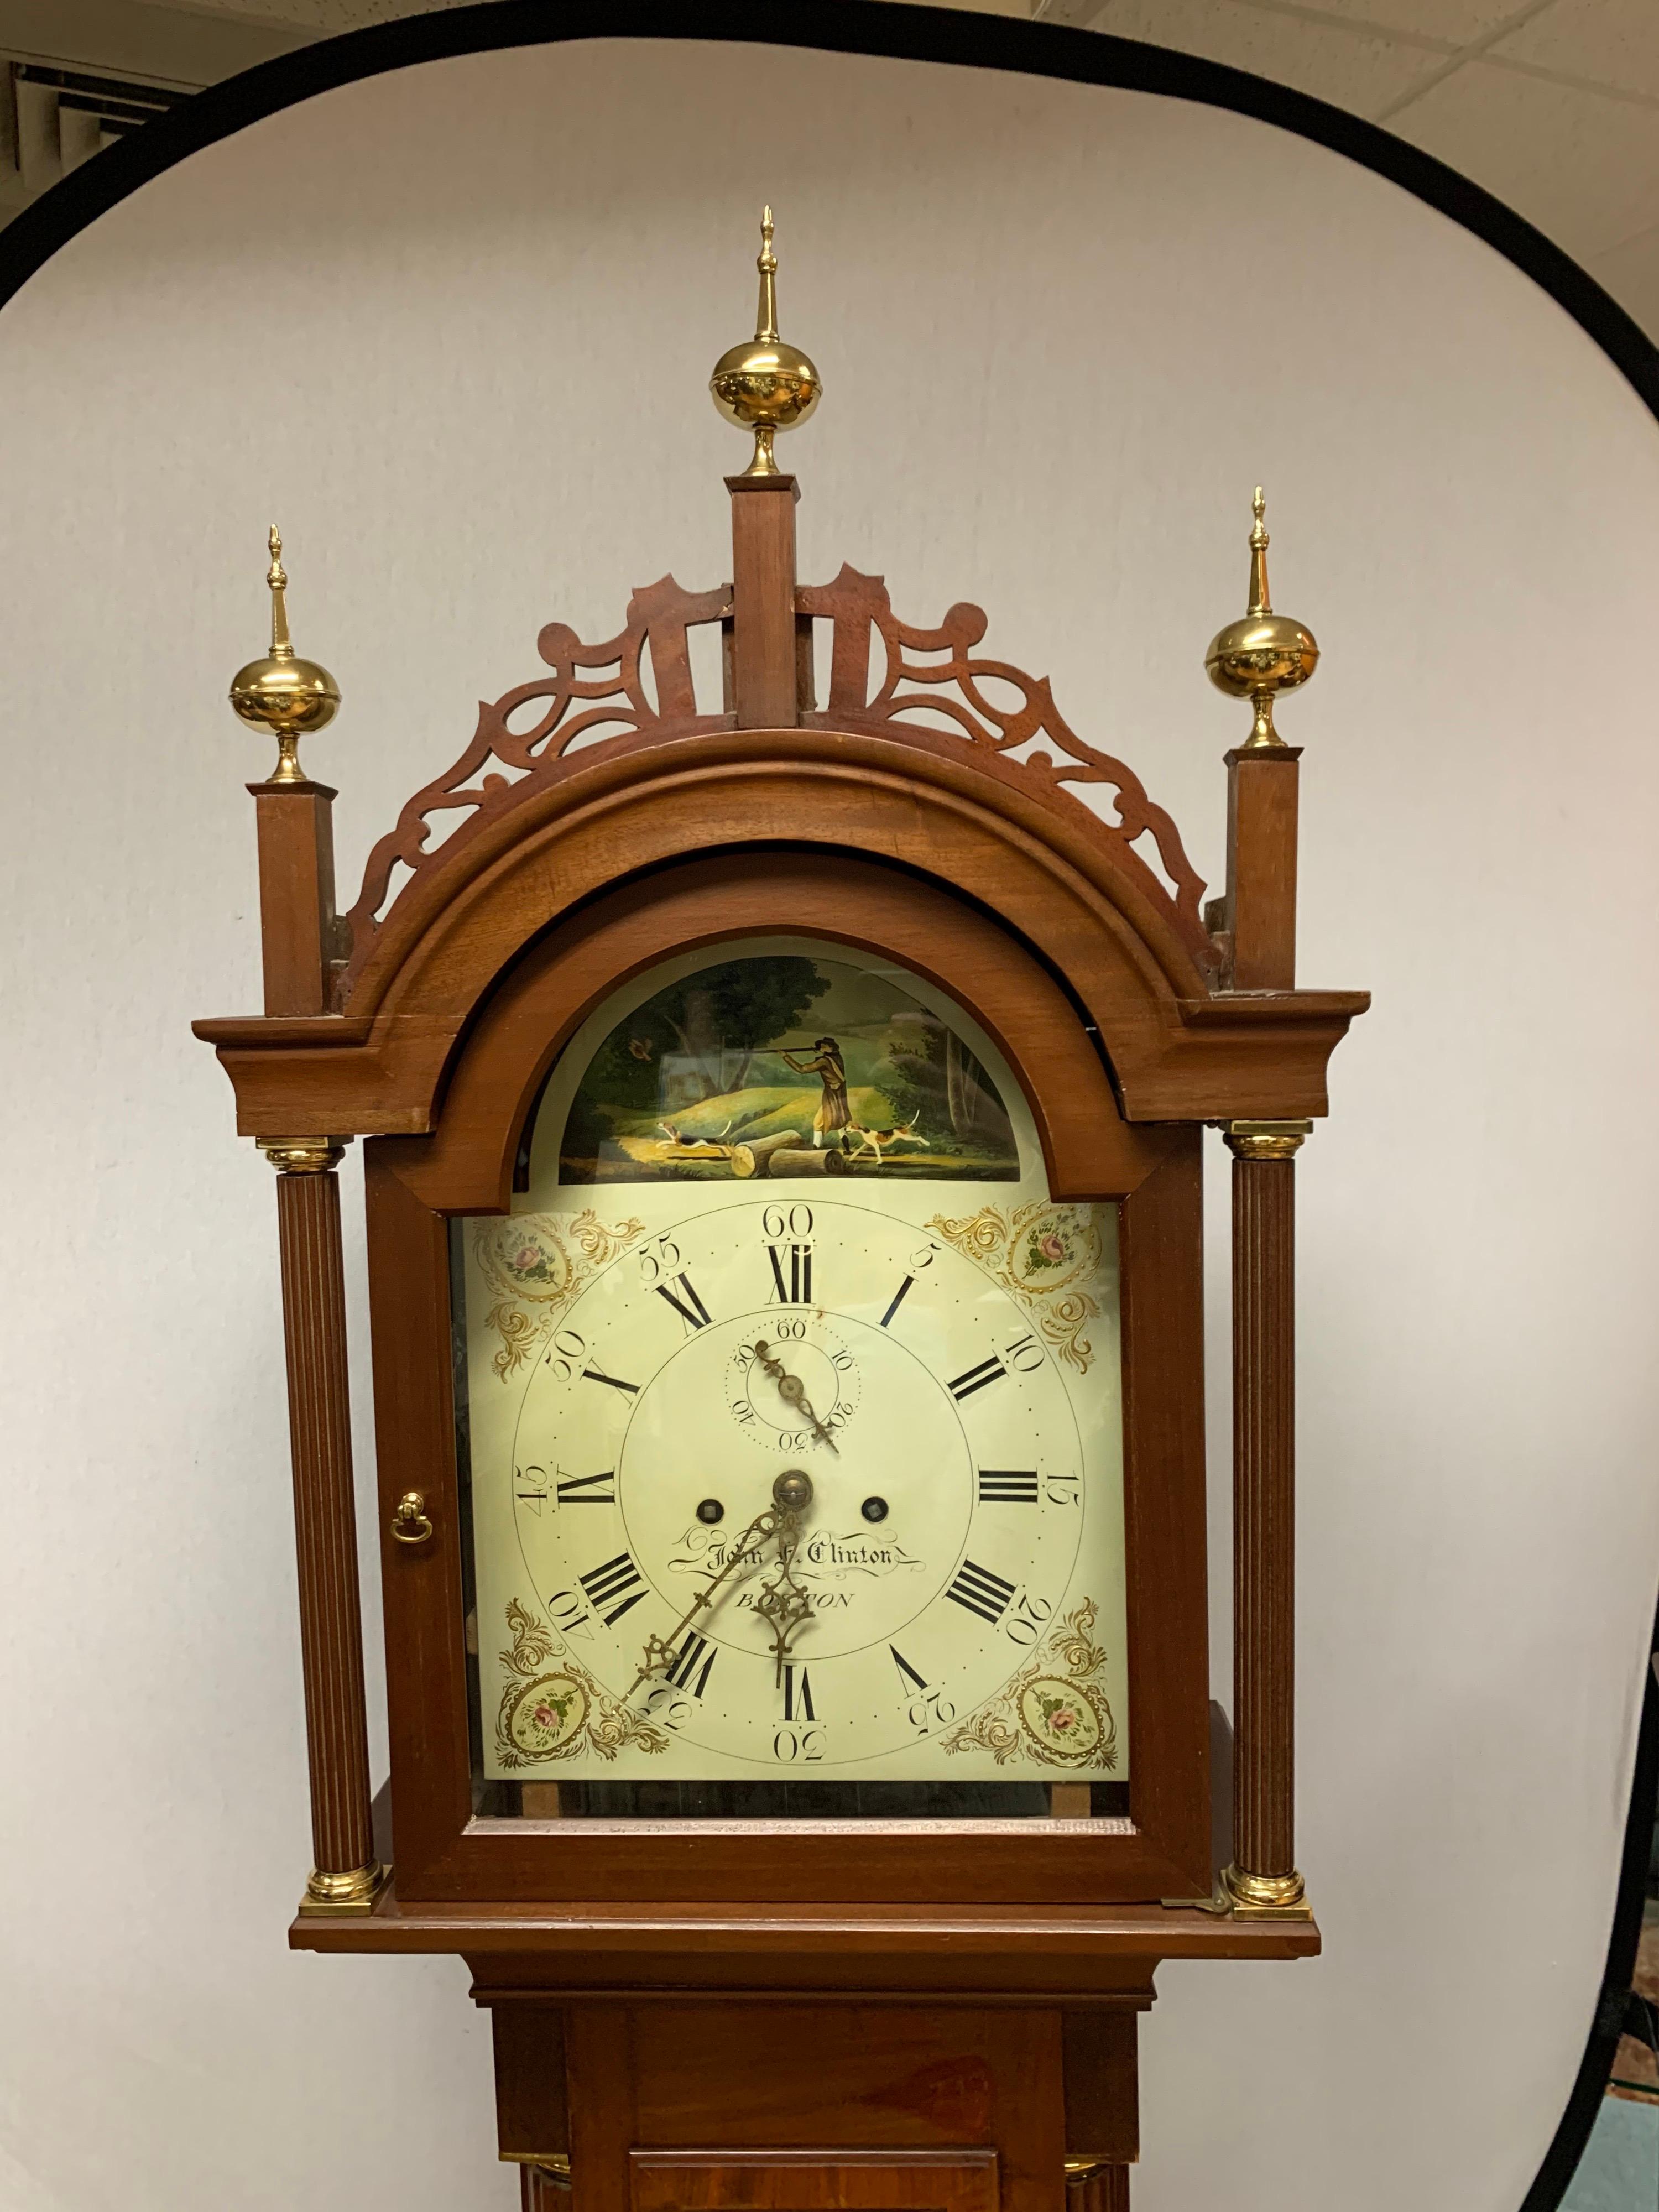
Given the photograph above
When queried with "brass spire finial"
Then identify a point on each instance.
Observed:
(1260, 603)
(1264, 653)
(766, 315)
(280, 692)
(765, 386)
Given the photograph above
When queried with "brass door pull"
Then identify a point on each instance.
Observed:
(412, 1523)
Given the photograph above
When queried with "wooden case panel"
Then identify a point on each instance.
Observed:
(814, 2181)
(708, 2105)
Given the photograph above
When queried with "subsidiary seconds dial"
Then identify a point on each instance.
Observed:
(947, 1496)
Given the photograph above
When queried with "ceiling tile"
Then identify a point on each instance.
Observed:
(1612, 42)
(1354, 69)
(1630, 273)
(1449, 22)
(1581, 166)
(326, 15)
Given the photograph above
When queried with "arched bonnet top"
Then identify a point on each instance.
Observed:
(925, 757)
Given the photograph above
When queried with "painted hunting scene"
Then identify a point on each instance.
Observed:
(780, 1065)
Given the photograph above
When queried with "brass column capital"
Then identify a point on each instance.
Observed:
(303, 1156)
(1266, 1140)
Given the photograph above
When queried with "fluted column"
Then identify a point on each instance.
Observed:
(346, 1876)
(1263, 1880)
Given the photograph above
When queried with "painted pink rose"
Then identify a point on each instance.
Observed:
(1051, 1247)
(1065, 1719)
(527, 1257)
(544, 1717)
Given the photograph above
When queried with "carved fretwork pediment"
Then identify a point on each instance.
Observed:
(886, 678)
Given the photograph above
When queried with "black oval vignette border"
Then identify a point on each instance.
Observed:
(925, 33)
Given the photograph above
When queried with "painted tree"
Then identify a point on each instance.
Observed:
(739, 1005)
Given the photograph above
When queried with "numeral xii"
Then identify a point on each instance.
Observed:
(792, 1283)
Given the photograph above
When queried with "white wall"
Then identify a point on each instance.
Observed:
(452, 329)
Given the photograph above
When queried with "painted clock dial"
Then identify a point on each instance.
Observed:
(786, 1217)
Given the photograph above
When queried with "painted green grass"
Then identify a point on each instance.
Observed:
(759, 1111)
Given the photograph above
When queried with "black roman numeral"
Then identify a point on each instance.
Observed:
(688, 1659)
(976, 1378)
(794, 1289)
(1007, 1485)
(588, 1489)
(981, 1591)
(690, 1308)
(797, 1696)
(619, 1583)
(898, 1300)
(909, 1678)
(597, 1374)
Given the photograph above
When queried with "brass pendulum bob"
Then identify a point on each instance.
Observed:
(1263, 654)
(280, 692)
(765, 385)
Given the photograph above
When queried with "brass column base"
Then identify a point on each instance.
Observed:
(1267, 1896)
(345, 1896)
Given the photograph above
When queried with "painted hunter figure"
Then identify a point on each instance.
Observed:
(710, 1077)
(834, 1113)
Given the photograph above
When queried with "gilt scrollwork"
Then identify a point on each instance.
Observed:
(931, 677)
(551, 1706)
(592, 690)
(859, 607)
(1044, 1255)
(534, 1265)
(1054, 1710)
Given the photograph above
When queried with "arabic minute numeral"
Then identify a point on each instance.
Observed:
(614, 1588)
(566, 1354)
(1028, 1619)
(569, 1615)
(780, 1222)
(1064, 1490)
(804, 1743)
(665, 1705)
(530, 1487)
(925, 1709)
(660, 1256)
(919, 1260)
(1006, 1485)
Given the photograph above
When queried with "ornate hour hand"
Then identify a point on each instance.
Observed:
(792, 1493)
(782, 1603)
(792, 1391)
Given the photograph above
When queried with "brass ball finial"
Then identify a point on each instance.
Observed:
(765, 386)
(1264, 653)
(280, 692)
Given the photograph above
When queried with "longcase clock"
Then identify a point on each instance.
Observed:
(782, 1128)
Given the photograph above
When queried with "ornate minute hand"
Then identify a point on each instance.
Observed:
(792, 1391)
